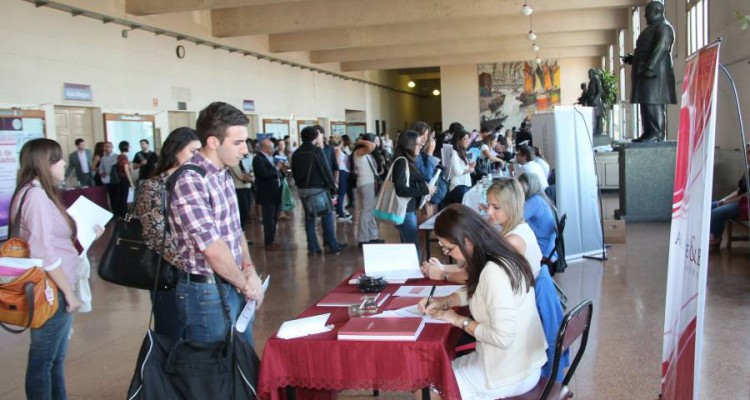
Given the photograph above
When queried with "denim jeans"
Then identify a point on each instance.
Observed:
(409, 232)
(201, 314)
(343, 190)
(328, 233)
(720, 215)
(45, 378)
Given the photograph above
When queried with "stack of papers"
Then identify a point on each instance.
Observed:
(304, 327)
(382, 329)
(394, 262)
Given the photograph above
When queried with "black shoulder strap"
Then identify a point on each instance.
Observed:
(14, 227)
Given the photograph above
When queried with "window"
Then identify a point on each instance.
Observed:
(697, 25)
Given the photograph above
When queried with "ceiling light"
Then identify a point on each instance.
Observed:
(526, 10)
(534, 47)
(436, 92)
(537, 60)
(531, 36)
(411, 84)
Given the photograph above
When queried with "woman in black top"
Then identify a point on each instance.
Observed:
(407, 149)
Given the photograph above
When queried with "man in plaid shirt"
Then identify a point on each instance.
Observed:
(204, 216)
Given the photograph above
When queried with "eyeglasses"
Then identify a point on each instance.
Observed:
(446, 250)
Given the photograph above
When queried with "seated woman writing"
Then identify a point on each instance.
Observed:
(511, 346)
(505, 207)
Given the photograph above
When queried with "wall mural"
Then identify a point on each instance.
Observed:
(510, 92)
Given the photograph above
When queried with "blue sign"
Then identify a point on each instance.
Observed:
(73, 91)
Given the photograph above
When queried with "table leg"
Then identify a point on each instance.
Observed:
(291, 394)
(426, 393)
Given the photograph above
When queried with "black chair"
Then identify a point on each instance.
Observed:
(576, 324)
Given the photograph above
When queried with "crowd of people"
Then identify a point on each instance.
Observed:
(498, 257)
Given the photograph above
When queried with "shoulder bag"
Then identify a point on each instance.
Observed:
(189, 370)
(390, 207)
(316, 201)
(128, 261)
(31, 299)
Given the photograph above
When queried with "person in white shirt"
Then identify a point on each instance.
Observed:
(525, 157)
(539, 160)
(461, 169)
(511, 345)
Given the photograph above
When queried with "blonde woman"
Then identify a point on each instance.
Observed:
(505, 207)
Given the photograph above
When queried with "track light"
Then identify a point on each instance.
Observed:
(436, 92)
(531, 36)
(534, 47)
(411, 84)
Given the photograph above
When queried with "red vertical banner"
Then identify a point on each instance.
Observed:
(691, 215)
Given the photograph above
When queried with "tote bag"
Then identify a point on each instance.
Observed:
(390, 207)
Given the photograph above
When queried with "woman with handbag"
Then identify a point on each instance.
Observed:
(181, 144)
(414, 186)
(51, 234)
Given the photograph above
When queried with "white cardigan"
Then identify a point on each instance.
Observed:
(510, 338)
(459, 172)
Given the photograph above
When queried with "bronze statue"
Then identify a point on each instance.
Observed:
(652, 73)
(593, 98)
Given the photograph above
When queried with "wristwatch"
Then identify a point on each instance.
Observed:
(445, 276)
(465, 323)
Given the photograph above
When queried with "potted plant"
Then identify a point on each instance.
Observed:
(609, 94)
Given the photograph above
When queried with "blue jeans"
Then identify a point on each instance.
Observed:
(328, 233)
(409, 232)
(343, 189)
(720, 215)
(45, 378)
(201, 314)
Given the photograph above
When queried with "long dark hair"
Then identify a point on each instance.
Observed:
(99, 149)
(458, 147)
(461, 225)
(37, 158)
(405, 146)
(176, 141)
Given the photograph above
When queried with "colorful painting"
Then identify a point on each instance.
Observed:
(510, 92)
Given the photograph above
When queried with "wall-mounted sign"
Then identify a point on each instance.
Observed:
(248, 105)
(74, 91)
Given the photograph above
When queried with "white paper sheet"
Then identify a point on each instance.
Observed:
(304, 327)
(87, 216)
(424, 291)
(392, 261)
(433, 182)
(408, 312)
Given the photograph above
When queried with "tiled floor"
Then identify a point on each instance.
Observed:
(621, 362)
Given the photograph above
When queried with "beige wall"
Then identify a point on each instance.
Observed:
(43, 48)
(461, 89)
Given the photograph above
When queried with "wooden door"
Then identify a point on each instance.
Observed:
(73, 123)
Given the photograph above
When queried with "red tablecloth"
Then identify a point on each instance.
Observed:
(324, 364)
(97, 194)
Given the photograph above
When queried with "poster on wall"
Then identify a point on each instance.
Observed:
(509, 92)
(338, 128)
(278, 127)
(16, 128)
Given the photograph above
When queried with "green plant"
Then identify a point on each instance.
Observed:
(743, 19)
(609, 88)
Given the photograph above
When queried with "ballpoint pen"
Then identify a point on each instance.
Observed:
(429, 298)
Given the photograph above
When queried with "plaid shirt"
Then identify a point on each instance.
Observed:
(198, 221)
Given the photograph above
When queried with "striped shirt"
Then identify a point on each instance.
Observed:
(203, 211)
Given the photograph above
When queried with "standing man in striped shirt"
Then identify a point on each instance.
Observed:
(205, 219)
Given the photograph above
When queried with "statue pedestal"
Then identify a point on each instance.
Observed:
(646, 181)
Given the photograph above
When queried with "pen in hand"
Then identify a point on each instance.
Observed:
(429, 298)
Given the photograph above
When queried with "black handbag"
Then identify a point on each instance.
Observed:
(316, 201)
(189, 370)
(128, 261)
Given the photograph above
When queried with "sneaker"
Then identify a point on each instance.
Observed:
(339, 249)
(345, 217)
